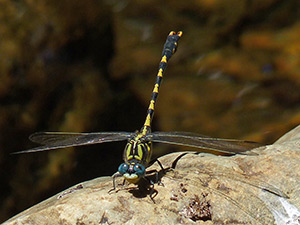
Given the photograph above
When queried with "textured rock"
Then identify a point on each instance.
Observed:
(201, 189)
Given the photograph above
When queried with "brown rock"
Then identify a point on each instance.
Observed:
(201, 189)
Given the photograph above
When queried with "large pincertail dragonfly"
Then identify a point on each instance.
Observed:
(138, 150)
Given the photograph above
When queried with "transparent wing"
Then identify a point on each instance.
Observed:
(228, 146)
(54, 140)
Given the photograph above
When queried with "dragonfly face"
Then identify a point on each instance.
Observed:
(132, 172)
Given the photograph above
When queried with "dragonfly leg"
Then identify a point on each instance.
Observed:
(157, 177)
(159, 182)
(158, 162)
(157, 173)
(161, 166)
(153, 192)
(117, 174)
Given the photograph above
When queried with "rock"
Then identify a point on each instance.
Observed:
(261, 188)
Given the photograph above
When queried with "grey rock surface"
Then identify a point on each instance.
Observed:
(263, 188)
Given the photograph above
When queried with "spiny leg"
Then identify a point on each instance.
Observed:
(151, 188)
(117, 174)
(157, 178)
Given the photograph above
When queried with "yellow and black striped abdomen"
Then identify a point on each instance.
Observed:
(169, 49)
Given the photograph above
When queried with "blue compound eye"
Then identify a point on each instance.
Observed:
(139, 169)
(123, 168)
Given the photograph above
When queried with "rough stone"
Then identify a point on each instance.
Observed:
(261, 188)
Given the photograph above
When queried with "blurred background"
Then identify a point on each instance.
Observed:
(85, 66)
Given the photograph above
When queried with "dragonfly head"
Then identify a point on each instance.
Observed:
(132, 172)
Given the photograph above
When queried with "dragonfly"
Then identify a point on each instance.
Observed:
(138, 150)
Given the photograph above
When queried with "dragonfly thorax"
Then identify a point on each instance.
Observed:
(137, 154)
(138, 150)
